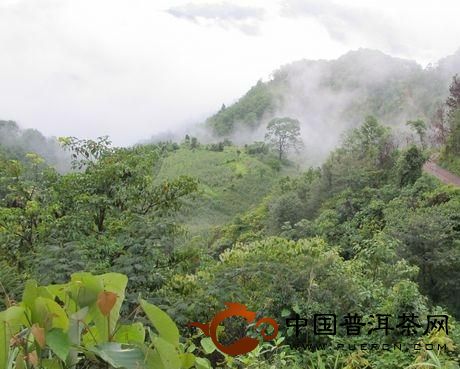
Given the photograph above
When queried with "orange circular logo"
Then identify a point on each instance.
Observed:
(245, 344)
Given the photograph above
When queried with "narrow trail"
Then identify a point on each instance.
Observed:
(442, 174)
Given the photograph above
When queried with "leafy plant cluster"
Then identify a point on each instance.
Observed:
(108, 215)
(78, 325)
(188, 227)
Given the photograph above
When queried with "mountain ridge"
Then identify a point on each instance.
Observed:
(331, 96)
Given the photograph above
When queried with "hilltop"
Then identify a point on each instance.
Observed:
(332, 96)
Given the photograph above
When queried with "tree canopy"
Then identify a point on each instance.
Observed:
(284, 134)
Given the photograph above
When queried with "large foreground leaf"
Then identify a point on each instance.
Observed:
(162, 323)
(120, 355)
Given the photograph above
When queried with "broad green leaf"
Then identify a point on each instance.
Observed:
(14, 315)
(85, 288)
(130, 333)
(120, 355)
(168, 353)
(30, 293)
(44, 292)
(61, 291)
(92, 337)
(115, 283)
(162, 323)
(59, 343)
(50, 314)
(11, 321)
(187, 360)
(208, 345)
(201, 363)
(285, 313)
(29, 296)
(191, 347)
(153, 360)
(51, 364)
(103, 327)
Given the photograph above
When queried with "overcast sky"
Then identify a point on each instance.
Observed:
(133, 68)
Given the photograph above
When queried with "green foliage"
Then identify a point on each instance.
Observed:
(218, 146)
(392, 89)
(10, 284)
(428, 229)
(410, 165)
(420, 128)
(17, 143)
(371, 141)
(248, 111)
(453, 142)
(355, 203)
(196, 225)
(365, 158)
(452, 164)
(286, 209)
(86, 152)
(25, 188)
(453, 101)
(278, 278)
(111, 215)
(450, 153)
(265, 356)
(85, 329)
(229, 184)
(256, 148)
(451, 150)
(283, 134)
(430, 359)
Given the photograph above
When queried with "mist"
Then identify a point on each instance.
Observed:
(135, 69)
(19, 142)
(330, 97)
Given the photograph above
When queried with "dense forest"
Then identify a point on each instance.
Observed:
(107, 253)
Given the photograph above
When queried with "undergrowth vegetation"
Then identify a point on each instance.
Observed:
(105, 265)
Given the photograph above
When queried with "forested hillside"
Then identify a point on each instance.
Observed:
(17, 142)
(329, 97)
(104, 266)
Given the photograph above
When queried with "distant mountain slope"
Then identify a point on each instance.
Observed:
(330, 96)
(16, 143)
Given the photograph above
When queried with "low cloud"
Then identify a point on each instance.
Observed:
(344, 22)
(227, 15)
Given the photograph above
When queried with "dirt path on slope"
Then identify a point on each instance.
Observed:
(442, 174)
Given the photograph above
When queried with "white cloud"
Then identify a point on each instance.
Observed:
(225, 14)
(344, 22)
(218, 11)
(132, 69)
